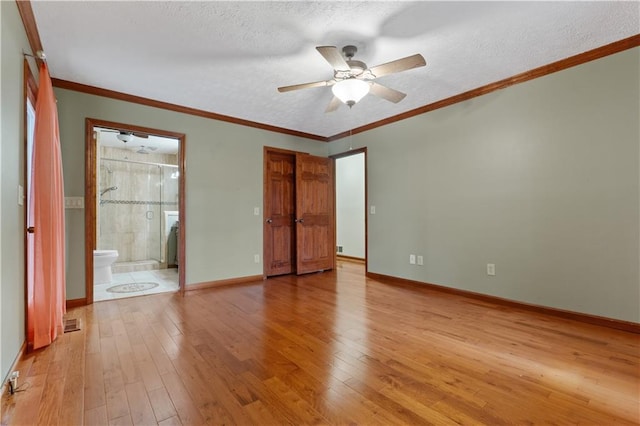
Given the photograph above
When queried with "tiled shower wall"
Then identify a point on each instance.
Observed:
(130, 218)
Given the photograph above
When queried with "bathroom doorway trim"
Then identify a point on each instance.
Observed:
(90, 174)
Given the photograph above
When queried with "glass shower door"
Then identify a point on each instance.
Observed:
(153, 213)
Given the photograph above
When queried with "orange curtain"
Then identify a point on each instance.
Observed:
(46, 291)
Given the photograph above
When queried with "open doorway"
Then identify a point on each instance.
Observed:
(134, 221)
(351, 202)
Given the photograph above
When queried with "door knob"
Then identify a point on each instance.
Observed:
(269, 220)
(301, 220)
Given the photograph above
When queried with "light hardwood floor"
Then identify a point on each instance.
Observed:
(330, 348)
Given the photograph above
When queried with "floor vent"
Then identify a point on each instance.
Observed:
(71, 324)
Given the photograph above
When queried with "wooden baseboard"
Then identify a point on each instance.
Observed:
(5, 380)
(627, 326)
(74, 303)
(221, 283)
(350, 258)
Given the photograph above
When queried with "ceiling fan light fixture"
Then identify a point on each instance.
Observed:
(351, 90)
(125, 137)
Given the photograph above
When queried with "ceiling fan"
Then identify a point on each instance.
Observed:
(352, 79)
(126, 136)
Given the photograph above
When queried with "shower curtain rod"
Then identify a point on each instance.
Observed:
(139, 162)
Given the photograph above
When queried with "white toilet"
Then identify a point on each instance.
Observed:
(102, 261)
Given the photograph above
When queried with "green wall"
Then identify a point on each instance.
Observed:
(223, 184)
(540, 179)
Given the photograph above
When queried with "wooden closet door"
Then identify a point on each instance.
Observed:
(315, 230)
(279, 210)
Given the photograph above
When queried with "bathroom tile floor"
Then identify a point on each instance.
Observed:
(167, 280)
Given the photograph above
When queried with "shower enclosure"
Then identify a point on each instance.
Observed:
(137, 205)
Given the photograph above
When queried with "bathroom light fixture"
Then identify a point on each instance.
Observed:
(351, 90)
(125, 137)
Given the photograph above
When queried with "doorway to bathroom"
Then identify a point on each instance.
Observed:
(135, 210)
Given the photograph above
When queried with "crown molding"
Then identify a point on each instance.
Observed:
(98, 91)
(572, 61)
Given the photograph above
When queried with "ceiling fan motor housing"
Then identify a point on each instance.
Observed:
(357, 67)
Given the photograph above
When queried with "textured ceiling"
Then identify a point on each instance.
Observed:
(229, 57)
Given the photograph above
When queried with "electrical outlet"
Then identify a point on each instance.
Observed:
(74, 202)
(491, 269)
(373, 209)
(256, 258)
(412, 259)
(421, 260)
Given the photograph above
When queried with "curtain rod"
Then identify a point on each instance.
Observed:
(39, 55)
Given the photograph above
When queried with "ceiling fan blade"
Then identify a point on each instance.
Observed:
(398, 65)
(334, 57)
(123, 132)
(303, 86)
(333, 105)
(385, 92)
